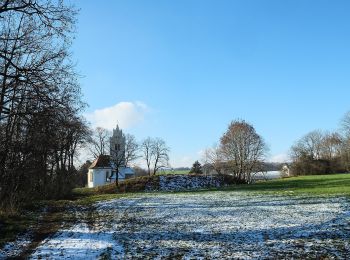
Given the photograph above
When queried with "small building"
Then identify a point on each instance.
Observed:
(285, 172)
(102, 172)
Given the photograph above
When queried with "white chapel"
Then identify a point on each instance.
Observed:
(103, 170)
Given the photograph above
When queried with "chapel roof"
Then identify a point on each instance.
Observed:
(102, 161)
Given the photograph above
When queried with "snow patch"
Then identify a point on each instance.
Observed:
(15, 248)
(221, 225)
(78, 242)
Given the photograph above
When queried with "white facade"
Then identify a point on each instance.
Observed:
(102, 176)
(98, 176)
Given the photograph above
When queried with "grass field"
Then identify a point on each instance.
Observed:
(174, 172)
(210, 225)
(325, 185)
(335, 185)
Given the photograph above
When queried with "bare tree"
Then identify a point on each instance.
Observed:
(331, 146)
(313, 143)
(213, 158)
(40, 101)
(345, 127)
(42, 9)
(243, 150)
(123, 155)
(309, 145)
(345, 124)
(319, 153)
(117, 160)
(146, 148)
(99, 141)
(156, 154)
(160, 153)
(131, 149)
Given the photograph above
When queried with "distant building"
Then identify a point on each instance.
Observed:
(103, 170)
(117, 146)
(285, 172)
(99, 171)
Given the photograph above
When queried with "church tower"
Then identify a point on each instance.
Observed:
(117, 147)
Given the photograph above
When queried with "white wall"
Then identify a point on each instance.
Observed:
(99, 177)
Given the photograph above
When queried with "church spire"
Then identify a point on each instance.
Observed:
(117, 146)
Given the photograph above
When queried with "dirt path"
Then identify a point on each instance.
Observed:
(215, 225)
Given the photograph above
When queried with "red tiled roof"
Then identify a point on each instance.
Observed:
(103, 161)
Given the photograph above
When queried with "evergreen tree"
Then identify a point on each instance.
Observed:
(196, 168)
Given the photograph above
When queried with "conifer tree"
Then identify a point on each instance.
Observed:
(196, 168)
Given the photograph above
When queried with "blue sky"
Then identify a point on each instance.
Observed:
(182, 70)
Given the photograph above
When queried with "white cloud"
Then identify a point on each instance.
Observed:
(280, 158)
(125, 114)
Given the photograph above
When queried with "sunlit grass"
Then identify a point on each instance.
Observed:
(334, 184)
(174, 172)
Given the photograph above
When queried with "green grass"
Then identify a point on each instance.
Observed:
(88, 200)
(325, 185)
(174, 172)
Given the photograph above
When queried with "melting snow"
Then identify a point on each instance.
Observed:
(206, 225)
(13, 249)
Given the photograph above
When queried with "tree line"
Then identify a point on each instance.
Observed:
(40, 105)
(320, 152)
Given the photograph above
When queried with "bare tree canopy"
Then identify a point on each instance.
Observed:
(331, 145)
(320, 153)
(155, 152)
(345, 124)
(310, 145)
(213, 159)
(146, 148)
(40, 101)
(243, 150)
(99, 142)
(131, 149)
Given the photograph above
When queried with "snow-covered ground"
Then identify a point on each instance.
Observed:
(15, 248)
(206, 226)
